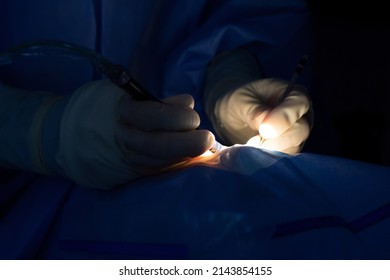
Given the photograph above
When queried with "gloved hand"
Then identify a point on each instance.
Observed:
(247, 108)
(99, 136)
(107, 138)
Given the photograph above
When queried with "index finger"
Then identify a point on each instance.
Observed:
(151, 115)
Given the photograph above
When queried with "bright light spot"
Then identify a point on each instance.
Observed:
(267, 131)
(207, 154)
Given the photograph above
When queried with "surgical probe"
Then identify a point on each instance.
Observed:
(117, 73)
(294, 78)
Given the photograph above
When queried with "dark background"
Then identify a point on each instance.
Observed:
(350, 85)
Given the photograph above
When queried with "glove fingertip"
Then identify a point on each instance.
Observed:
(184, 99)
(267, 131)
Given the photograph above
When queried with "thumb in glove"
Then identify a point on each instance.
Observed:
(107, 138)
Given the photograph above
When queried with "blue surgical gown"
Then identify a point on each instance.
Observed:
(252, 205)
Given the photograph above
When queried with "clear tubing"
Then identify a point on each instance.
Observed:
(116, 73)
(56, 48)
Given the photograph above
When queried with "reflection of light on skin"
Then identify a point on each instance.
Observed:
(267, 131)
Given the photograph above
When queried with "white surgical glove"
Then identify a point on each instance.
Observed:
(107, 138)
(247, 110)
(99, 136)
